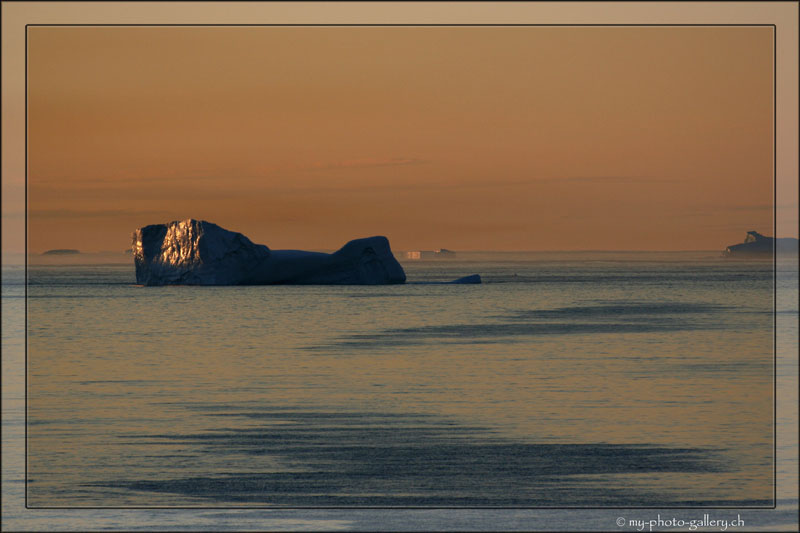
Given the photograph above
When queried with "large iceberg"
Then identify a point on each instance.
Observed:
(196, 252)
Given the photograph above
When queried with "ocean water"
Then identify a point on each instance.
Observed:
(564, 380)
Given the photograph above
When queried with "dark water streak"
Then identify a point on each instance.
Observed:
(616, 318)
(376, 459)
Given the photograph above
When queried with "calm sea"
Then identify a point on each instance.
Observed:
(564, 380)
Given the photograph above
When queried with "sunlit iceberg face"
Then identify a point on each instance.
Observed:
(181, 243)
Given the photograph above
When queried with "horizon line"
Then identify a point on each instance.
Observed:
(582, 250)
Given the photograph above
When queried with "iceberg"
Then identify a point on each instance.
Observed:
(62, 251)
(757, 245)
(441, 253)
(196, 252)
(473, 278)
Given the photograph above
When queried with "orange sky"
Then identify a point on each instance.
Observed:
(490, 138)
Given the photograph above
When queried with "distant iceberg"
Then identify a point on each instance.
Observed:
(441, 253)
(62, 251)
(757, 245)
(196, 252)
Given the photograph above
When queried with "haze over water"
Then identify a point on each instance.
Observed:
(558, 382)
